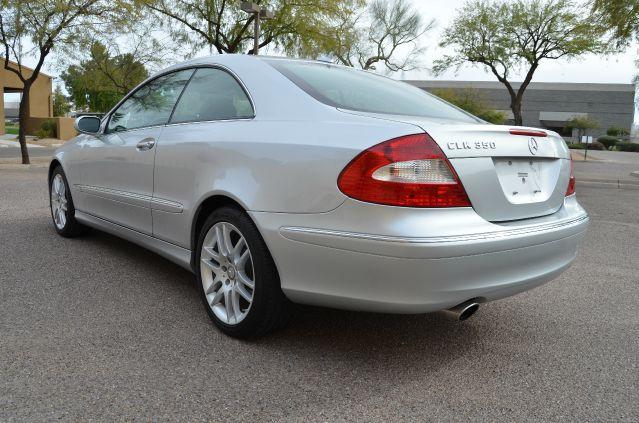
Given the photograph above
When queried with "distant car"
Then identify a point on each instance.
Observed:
(277, 180)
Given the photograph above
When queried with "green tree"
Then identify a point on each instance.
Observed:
(87, 90)
(299, 27)
(99, 82)
(387, 33)
(46, 25)
(471, 101)
(622, 16)
(61, 105)
(582, 124)
(505, 37)
(126, 58)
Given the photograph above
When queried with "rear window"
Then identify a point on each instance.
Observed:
(212, 94)
(357, 90)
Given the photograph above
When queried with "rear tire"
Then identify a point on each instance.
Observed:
(237, 278)
(61, 206)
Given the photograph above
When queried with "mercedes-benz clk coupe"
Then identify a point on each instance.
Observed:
(278, 181)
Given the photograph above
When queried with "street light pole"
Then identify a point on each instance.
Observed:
(256, 37)
(258, 14)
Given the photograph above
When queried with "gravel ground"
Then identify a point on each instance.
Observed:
(98, 328)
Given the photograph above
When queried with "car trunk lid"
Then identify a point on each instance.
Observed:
(507, 176)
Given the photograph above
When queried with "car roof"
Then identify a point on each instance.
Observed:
(235, 58)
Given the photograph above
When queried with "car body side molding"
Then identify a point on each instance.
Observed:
(133, 198)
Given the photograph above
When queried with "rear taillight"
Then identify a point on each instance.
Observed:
(571, 181)
(410, 171)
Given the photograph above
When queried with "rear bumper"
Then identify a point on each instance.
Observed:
(387, 259)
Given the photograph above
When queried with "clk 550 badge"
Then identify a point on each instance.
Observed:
(466, 145)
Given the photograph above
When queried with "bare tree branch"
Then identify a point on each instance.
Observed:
(387, 33)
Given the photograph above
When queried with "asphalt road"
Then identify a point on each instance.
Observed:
(607, 165)
(98, 328)
(14, 152)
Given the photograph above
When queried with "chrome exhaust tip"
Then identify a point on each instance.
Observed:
(462, 311)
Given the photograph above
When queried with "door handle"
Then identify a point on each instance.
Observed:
(145, 144)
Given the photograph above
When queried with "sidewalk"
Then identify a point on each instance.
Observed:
(10, 140)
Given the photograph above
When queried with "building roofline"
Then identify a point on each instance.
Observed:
(552, 86)
(24, 67)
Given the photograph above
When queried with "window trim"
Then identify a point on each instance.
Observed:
(179, 97)
(232, 75)
(194, 68)
(138, 88)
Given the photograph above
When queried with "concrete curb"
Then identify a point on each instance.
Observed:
(16, 144)
(619, 184)
(609, 181)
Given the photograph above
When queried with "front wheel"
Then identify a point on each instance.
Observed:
(238, 281)
(61, 205)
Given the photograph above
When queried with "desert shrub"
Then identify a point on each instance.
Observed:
(608, 141)
(493, 116)
(616, 131)
(596, 145)
(47, 129)
(593, 146)
(628, 146)
(473, 102)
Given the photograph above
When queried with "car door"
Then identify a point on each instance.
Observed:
(117, 168)
(213, 112)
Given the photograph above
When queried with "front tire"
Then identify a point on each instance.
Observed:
(237, 278)
(61, 206)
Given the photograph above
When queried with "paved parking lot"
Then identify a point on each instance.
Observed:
(98, 328)
(606, 165)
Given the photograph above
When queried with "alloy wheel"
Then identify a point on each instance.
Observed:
(59, 202)
(227, 272)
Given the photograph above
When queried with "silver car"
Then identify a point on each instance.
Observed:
(278, 181)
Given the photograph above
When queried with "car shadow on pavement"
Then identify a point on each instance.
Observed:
(318, 333)
(387, 334)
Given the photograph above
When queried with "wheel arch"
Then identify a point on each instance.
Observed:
(202, 212)
(54, 163)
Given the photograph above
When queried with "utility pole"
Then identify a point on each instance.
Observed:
(259, 14)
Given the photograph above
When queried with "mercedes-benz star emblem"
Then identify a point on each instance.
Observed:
(533, 146)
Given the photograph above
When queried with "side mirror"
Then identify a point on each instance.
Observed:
(87, 125)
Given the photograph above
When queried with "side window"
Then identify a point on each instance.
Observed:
(212, 94)
(151, 104)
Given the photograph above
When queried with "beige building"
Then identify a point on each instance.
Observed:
(40, 104)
